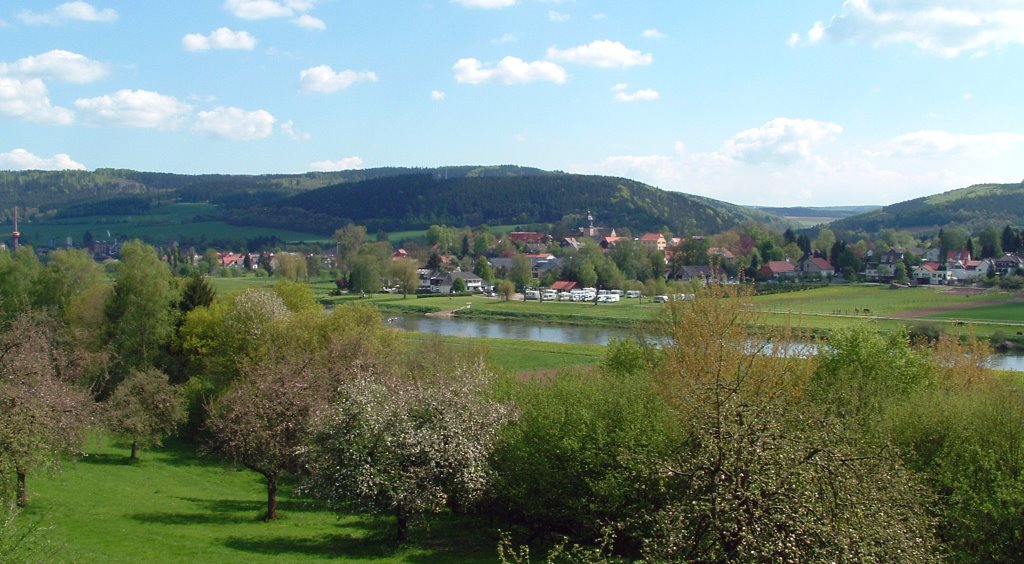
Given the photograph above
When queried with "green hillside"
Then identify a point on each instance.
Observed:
(419, 200)
(972, 207)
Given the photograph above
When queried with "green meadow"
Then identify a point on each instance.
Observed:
(166, 223)
(176, 505)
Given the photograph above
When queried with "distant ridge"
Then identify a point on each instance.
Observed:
(972, 208)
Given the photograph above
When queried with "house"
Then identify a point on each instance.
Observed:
(775, 269)
(572, 242)
(967, 272)
(653, 242)
(1008, 264)
(928, 273)
(528, 237)
(231, 260)
(961, 256)
(701, 273)
(817, 266)
(724, 255)
(609, 242)
(442, 284)
(892, 257)
(400, 254)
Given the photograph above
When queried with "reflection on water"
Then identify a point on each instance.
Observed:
(587, 335)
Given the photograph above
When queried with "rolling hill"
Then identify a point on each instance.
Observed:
(382, 199)
(972, 208)
(416, 201)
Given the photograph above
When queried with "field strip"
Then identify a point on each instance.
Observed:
(897, 317)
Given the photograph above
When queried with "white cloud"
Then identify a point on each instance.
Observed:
(943, 145)
(347, 163)
(288, 128)
(793, 40)
(437, 95)
(781, 140)
(601, 53)
(20, 159)
(600, 16)
(309, 22)
(968, 96)
(643, 95)
(510, 70)
(485, 4)
(30, 100)
(558, 17)
(947, 28)
(506, 38)
(267, 9)
(620, 87)
(653, 33)
(56, 64)
(325, 80)
(69, 11)
(221, 38)
(235, 123)
(135, 108)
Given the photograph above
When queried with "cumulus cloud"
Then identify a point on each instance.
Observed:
(269, 9)
(347, 163)
(220, 38)
(325, 80)
(558, 17)
(56, 64)
(510, 70)
(485, 4)
(235, 123)
(601, 53)
(20, 159)
(309, 22)
(643, 95)
(653, 33)
(30, 100)
(69, 11)
(437, 95)
(947, 28)
(135, 108)
(943, 144)
(288, 128)
(781, 140)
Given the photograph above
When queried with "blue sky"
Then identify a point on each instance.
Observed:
(818, 102)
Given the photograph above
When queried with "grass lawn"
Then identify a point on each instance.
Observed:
(522, 356)
(176, 506)
(1008, 312)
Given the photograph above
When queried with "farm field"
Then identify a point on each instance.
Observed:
(176, 505)
(168, 223)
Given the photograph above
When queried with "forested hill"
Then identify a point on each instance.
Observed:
(108, 191)
(972, 207)
(420, 200)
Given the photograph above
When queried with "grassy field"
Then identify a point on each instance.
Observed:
(521, 356)
(174, 505)
(164, 224)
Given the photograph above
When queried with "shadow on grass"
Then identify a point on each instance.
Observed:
(376, 544)
(180, 518)
(102, 459)
(254, 506)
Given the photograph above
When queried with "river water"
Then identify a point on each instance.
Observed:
(587, 335)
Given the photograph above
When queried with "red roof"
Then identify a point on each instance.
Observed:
(527, 236)
(651, 236)
(779, 266)
(820, 263)
(563, 285)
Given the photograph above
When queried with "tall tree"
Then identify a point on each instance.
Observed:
(68, 273)
(1010, 240)
(145, 408)
(521, 271)
(139, 309)
(43, 411)
(405, 274)
(349, 240)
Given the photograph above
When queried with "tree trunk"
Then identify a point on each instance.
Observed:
(402, 523)
(22, 498)
(271, 497)
(135, 450)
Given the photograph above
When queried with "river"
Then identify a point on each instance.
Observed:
(583, 334)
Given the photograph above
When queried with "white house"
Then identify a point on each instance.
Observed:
(929, 273)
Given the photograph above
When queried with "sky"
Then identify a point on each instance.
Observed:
(794, 102)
